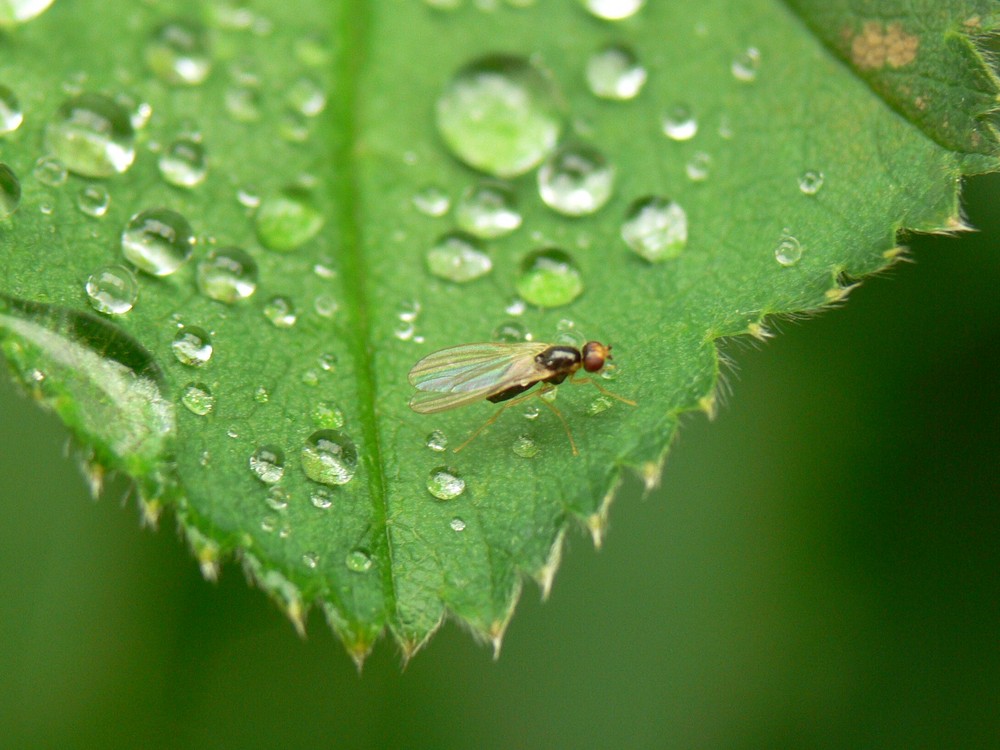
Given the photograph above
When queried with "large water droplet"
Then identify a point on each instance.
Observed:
(92, 135)
(445, 483)
(112, 290)
(178, 53)
(549, 278)
(158, 241)
(488, 210)
(330, 457)
(358, 561)
(613, 10)
(656, 228)
(811, 182)
(18, 11)
(11, 115)
(280, 311)
(679, 124)
(192, 346)
(288, 220)
(458, 257)
(198, 399)
(183, 163)
(93, 200)
(268, 464)
(228, 275)
(788, 251)
(525, 447)
(500, 114)
(576, 180)
(10, 191)
(614, 73)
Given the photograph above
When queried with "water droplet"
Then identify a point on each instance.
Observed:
(183, 163)
(311, 559)
(600, 404)
(614, 73)
(697, 166)
(404, 331)
(46, 208)
(92, 136)
(488, 210)
(277, 498)
(280, 311)
(294, 128)
(139, 112)
(178, 53)
(445, 483)
(10, 191)
(510, 332)
(242, 102)
(330, 457)
(268, 524)
(228, 274)
(576, 180)
(310, 378)
(306, 97)
(198, 399)
(327, 361)
(409, 311)
(788, 251)
(656, 228)
(321, 498)
(525, 447)
(288, 220)
(613, 10)
(50, 171)
(18, 11)
(261, 395)
(326, 305)
(516, 307)
(679, 123)
(458, 257)
(327, 415)
(500, 114)
(112, 290)
(158, 241)
(811, 182)
(745, 65)
(549, 278)
(437, 441)
(268, 464)
(432, 201)
(94, 200)
(11, 115)
(457, 524)
(358, 561)
(192, 346)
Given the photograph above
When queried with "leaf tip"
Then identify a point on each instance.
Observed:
(547, 573)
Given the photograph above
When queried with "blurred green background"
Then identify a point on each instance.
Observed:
(820, 568)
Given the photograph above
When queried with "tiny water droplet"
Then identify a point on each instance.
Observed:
(600, 404)
(457, 524)
(614, 73)
(287, 220)
(198, 399)
(112, 290)
(178, 53)
(228, 275)
(576, 180)
(94, 200)
(358, 561)
(183, 163)
(261, 395)
(277, 498)
(432, 201)
(268, 464)
(321, 498)
(327, 361)
(306, 97)
(11, 115)
(437, 441)
(613, 10)
(327, 415)
(697, 166)
(458, 257)
(139, 112)
(656, 228)
(280, 311)
(788, 252)
(158, 241)
(50, 172)
(745, 65)
(445, 483)
(293, 127)
(549, 278)
(192, 346)
(92, 135)
(268, 524)
(488, 210)
(311, 559)
(330, 457)
(516, 307)
(679, 124)
(500, 115)
(10, 191)
(310, 378)
(510, 332)
(525, 447)
(325, 305)
(811, 182)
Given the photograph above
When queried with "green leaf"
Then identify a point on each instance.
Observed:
(262, 392)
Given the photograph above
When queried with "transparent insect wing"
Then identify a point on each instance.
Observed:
(483, 369)
(431, 402)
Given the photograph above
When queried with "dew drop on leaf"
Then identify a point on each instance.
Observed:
(330, 457)
(458, 257)
(92, 135)
(306, 97)
(310, 559)
(11, 114)
(228, 275)
(288, 219)
(327, 415)
(697, 167)
(50, 172)
(94, 200)
(600, 404)
(679, 124)
(192, 346)
(488, 210)
(745, 65)
(280, 311)
(321, 498)
(549, 278)
(457, 524)
(614, 73)
(613, 10)
(525, 447)
(198, 399)
(655, 228)
(277, 498)
(10, 191)
(268, 464)
(183, 163)
(178, 53)
(445, 483)
(510, 332)
(18, 11)
(576, 180)
(112, 290)
(432, 201)
(811, 182)
(788, 251)
(358, 561)
(158, 241)
(437, 441)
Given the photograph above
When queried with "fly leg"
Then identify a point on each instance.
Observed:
(602, 389)
(496, 416)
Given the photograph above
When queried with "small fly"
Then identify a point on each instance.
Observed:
(497, 372)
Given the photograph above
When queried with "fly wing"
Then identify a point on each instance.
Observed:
(463, 374)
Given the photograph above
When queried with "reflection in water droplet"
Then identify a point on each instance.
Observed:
(112, 290)
(178, 53)
(458, 257)
(268, 464)
(288, 220)
(549, 278)
(788, 251)
(50, 171)
(10, 191)
(656, 228)
(192, 346)
(576, 180)
(811, 182)
(327, 415)
(321, 498)
(437, 441)
(228, 274)
(525, 447)
(679, 123)
(516, 307)
(92, 136)
(93, 200)
(614, 73)
(11, 115)
(500, 114)
(18, 11)
(613, 10)
(280, 311)
(183, 163)
(358, 561)
(457, 524)
(198, 399)
(158, 241)
(445, 483)
(697, 166)
(745, 65)
(488, 210)
(330, 457)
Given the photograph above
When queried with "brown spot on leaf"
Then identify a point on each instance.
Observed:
(876, 46)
